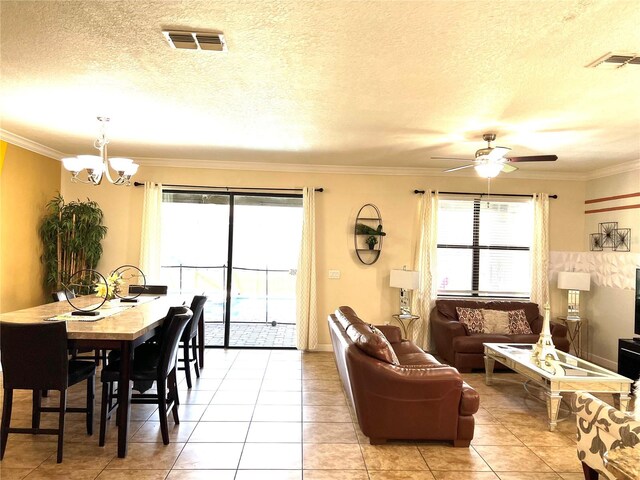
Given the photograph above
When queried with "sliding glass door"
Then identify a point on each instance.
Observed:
(241, 250)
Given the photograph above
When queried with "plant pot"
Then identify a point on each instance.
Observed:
(109, 304)
(372, 246)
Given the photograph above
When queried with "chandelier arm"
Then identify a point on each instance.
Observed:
(107, 167)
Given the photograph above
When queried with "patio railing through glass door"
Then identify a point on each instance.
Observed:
(260, 295)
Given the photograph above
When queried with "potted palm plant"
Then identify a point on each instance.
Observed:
(71, 235)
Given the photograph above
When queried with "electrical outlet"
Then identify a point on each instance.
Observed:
(334, 274)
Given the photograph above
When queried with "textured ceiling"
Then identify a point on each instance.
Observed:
(356, 83)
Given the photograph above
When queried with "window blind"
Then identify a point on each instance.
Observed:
(484, 247)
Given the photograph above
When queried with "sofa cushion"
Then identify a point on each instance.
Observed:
(447, 307)
(518, 324)
(373, 344)
(495, 321)
(473, 343)
(418, 358)
(472, 318)
(346, 316)
(406, 346)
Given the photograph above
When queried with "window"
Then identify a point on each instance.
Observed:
(484, 247)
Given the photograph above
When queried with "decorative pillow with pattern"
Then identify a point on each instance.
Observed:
(496, 321)
(472, 318)
(518, 324)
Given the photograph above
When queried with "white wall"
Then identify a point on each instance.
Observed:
(610, 307)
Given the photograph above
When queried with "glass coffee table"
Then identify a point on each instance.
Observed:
(569, 374)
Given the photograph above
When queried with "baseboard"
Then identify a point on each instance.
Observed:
(603, 362)
(323, 347)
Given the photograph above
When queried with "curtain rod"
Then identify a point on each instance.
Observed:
(140, 184)
(486, 194)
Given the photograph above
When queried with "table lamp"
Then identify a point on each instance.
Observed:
(404, 280)
(574, 282)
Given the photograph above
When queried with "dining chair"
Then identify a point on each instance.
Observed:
(62, 295)
(148, 289)
(189, 338)
(34, 357)
(152, 362)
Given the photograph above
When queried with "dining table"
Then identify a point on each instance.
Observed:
(122, 327)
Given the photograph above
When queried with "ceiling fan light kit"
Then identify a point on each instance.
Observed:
(490, 161)
(488, 168)
(97, 166)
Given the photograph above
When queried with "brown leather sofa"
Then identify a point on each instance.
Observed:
(465, 351)
(397, 390)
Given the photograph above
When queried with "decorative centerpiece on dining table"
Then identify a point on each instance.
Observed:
(116, 285)
(109, 288)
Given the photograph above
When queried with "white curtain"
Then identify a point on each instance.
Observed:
(151, 232)
(540, 250)
(425, 263)
(306, 318)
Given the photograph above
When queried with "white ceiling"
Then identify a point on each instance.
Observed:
(342, 83)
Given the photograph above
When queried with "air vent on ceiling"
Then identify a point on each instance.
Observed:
(211, 41)
(614, 60)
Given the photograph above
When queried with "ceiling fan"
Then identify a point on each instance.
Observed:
(490, 161)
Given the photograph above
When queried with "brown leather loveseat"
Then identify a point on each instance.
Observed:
(463, 349)
(397, 390)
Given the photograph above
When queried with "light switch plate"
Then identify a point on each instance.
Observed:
(334, 274)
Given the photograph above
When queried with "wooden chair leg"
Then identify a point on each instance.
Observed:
(35, 409)
(104, 410)
(162, 409)
(6, 420)
(173, 391)
(187, 363)
(194, 351)
(63, 409)
(91, 394)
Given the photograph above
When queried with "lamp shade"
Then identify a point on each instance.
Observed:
(574, 281)
(407, 279)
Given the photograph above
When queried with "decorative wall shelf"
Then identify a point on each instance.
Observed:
(368, 230)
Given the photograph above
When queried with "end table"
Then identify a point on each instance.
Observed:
(574, 328)
(405, 322)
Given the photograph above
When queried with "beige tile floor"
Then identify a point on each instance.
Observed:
(262, 414)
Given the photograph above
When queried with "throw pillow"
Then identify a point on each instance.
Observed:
(518, 324)
(472, 318)
(371, 343)
(496, 321)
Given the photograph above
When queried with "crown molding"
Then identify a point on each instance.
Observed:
(631, 166)
(30, 145)
(336, 169)
(340, 169)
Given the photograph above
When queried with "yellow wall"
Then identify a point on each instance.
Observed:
(27, 182)
(365, 288)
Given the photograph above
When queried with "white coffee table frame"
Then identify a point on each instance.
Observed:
(595, 379)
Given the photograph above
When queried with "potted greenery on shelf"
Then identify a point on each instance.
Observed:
(72, 235)
(371, 241)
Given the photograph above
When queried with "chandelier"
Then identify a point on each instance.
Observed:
(97, 166)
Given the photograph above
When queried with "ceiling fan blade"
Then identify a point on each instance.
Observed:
(497, 153)
(459, 168)
(506, 168)
(453, 158)
(534, 158)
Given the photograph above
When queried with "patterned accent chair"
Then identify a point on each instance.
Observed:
(600, 429)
